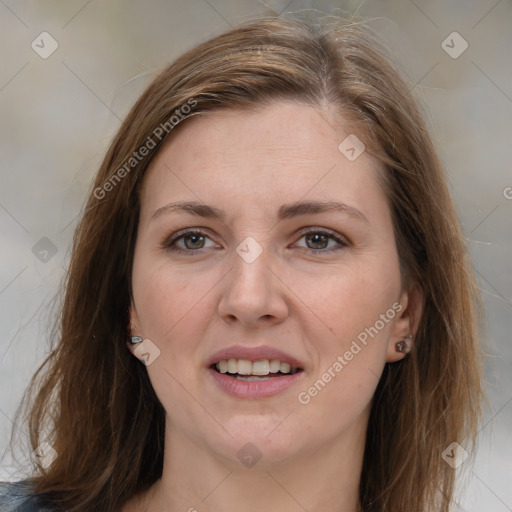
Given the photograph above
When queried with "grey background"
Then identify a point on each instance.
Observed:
(59, 113)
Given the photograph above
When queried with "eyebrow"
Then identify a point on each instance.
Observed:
(284, 212)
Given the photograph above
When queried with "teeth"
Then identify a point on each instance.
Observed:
(244, 367)
(275, 365)
(285, 368)
(258, 368)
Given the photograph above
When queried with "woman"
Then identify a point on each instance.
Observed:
(269, 303)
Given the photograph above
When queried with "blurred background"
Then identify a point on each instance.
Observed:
(70, 71)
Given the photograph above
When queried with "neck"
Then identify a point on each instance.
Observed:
(324, 478)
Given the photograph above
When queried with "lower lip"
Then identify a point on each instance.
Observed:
(254, 389)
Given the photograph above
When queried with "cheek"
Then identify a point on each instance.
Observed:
(354, 316)
(171, 314)
(166, 298)
(350, 359)
(347, 301)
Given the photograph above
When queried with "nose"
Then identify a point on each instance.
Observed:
(253, 294)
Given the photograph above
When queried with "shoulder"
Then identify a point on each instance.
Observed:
(18, 497)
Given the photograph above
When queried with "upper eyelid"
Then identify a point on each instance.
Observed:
(187, 231)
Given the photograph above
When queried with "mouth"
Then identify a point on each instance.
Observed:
(254, 371)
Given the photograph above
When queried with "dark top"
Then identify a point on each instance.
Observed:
(18, 497)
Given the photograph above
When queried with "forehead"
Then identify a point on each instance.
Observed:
(286, 151)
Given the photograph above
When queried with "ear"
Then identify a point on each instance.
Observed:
(406, 323)
(133, 327)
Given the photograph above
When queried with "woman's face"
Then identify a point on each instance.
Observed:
(249, 278)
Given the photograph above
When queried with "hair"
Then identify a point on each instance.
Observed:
(93, 401)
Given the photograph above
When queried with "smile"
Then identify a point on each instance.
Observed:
(243, 378)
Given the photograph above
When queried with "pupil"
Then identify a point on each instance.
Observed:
(193, 236)
(315, 235)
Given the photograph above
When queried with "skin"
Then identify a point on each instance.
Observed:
(310, 305)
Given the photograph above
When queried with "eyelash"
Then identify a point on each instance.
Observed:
(168, 244)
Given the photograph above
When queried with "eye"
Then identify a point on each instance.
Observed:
(320, 240)
(194, 240)
(186, 241)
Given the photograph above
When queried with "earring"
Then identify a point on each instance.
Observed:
(404, 346)
(134, 339)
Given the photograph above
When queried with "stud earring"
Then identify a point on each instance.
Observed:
(134, 339)
(404, 346)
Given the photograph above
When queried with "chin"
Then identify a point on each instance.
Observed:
(258, 440)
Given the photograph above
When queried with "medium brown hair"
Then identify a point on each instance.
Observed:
(94, 402)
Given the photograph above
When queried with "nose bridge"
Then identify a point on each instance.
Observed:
(251, 276)
(251, 290)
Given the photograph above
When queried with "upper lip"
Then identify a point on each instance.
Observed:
(254, 354)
